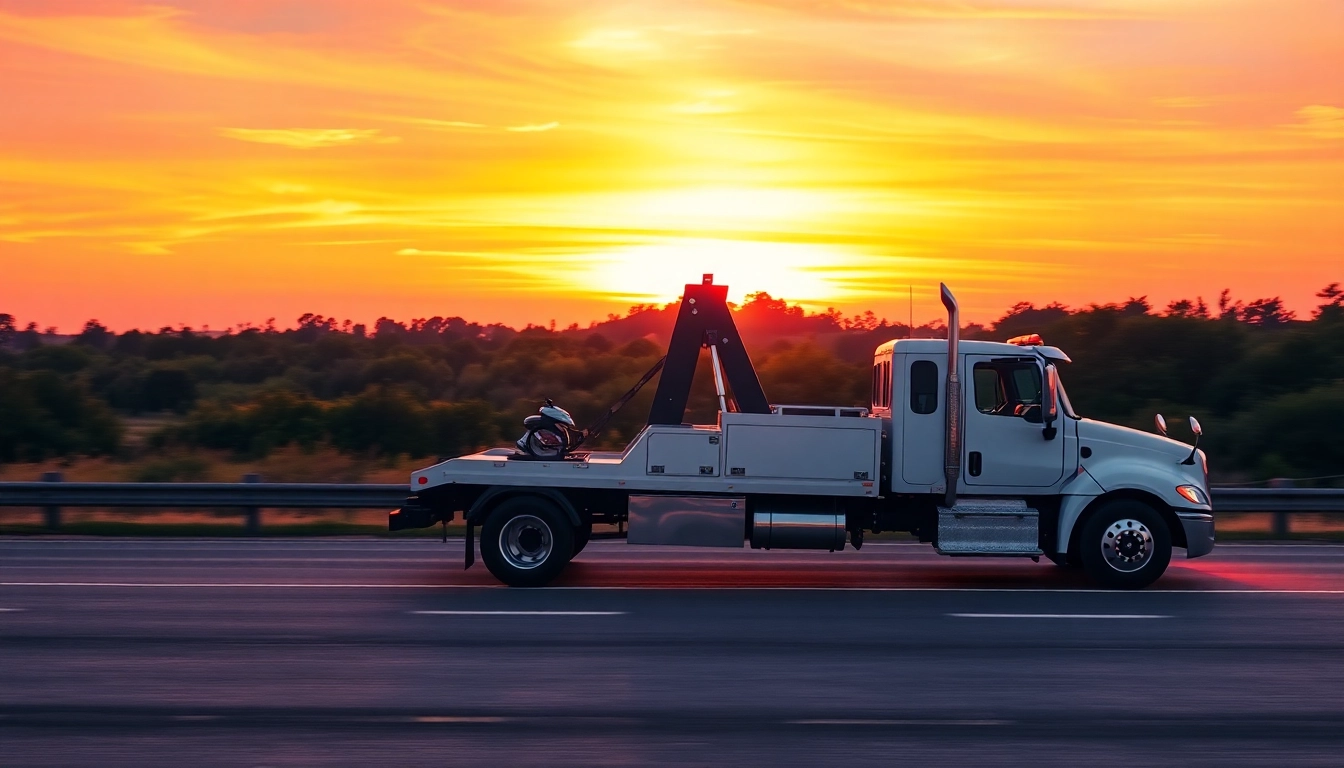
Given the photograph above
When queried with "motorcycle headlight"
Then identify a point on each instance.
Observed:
(1193, 494)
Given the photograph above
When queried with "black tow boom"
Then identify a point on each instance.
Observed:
(704, 320)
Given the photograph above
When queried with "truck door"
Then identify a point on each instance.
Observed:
(1004, 441)
(920, 397)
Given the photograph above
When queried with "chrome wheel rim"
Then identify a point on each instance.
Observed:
(526, 542)
(542, 446)
(1127, 545)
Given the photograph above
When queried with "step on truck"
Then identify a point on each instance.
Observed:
(972, 446)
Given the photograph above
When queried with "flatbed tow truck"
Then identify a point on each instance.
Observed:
(971, 446)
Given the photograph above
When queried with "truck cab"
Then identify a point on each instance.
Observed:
(972, 446)
(1003, 450)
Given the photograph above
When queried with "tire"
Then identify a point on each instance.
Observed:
(541, 448)
(1125, 544)
(526, 541)
(582, 535)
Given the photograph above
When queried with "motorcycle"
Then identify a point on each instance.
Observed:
(551, 433)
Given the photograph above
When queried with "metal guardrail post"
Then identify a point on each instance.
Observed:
(253, 523)
(1279, 520)
(52, 513)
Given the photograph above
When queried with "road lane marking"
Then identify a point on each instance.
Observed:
(653, 587)
(454, 718)
(12, 610)
(896, 722)
(1059, 615)
(519, 613)
(238, 584)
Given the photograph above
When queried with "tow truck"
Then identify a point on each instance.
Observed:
(971, 446)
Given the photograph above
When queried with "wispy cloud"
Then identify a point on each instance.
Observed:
(309, 138)
(534, 128)
(957, 9)
(1186, 102)
(1320, 121)
(429, 122)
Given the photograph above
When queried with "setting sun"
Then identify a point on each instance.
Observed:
(814, 275)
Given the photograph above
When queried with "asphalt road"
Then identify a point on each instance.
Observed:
(376, 652)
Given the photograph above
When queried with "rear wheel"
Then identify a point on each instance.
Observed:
(526, 541)
(1125, 545)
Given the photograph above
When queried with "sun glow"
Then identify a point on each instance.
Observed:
(807, 274)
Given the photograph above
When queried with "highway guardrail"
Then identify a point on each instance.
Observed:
(252, 495)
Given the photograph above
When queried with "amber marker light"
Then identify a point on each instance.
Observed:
(1192, 494)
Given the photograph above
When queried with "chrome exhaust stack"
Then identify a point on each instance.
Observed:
(952, 437)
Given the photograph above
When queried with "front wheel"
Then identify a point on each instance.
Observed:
(526, 541)
(1125, 545)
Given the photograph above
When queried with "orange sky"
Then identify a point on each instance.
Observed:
(211, 162)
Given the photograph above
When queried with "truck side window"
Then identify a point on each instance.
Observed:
(882, 384)
(886, 384)
(989, 394)
(923, 386)
(1007, 388)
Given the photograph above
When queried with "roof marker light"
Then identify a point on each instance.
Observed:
(1029, 340)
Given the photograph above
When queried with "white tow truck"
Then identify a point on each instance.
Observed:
(972, 446)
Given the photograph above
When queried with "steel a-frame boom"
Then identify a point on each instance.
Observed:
(702, 321)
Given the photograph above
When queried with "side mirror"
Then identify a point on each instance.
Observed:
(1161, 423)
(1050, 401)
(1199, 432)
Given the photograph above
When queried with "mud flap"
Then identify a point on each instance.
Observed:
(471, 545)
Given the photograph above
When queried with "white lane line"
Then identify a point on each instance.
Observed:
(237, 585)
(897, 722)
(188, 560)
(455, 719)
(358, 544)
(1059, 615)
(675, 587)
(12, 610)
(519, 613)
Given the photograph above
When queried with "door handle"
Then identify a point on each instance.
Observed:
(973, 466)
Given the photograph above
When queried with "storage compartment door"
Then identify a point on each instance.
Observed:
(801, 453)
(684, 454)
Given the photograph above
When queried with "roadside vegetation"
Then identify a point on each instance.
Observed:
(177, 404)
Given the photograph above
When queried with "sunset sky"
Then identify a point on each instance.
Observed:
(212, 162)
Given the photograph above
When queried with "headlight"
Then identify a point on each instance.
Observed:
(1193, 494)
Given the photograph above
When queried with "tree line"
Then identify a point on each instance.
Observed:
(1268, 386)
